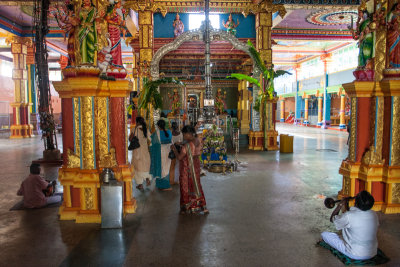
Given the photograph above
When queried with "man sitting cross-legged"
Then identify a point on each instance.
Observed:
(37, 191)
(359, 226)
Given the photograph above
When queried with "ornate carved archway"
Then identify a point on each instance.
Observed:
(215, 35)
(197, 35)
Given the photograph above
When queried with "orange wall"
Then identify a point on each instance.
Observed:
(290, 105)
(335, 105)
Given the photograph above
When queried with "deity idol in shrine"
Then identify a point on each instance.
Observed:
(230, 25)
(67, 21)
(220, 101)
(364, 33)
(175, 102)
(393, 36)
(116, 24)
(178, 26)
(87, 32)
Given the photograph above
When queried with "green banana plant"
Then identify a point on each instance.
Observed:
(150, 93)
(268, 76)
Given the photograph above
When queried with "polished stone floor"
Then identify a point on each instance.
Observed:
(270, 213)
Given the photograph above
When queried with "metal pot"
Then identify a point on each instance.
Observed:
(107, 175)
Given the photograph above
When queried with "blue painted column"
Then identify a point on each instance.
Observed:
(297, 99)
(326, 119)
(298, 104)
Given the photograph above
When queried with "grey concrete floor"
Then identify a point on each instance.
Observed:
(268, 214)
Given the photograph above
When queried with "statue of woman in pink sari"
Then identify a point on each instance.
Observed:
(393, 36)
(116, 24)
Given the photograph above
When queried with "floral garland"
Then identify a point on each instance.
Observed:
(213, 142)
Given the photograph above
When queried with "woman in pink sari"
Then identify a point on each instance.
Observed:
(192, 196)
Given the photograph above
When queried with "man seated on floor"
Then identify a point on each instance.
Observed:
(34, 190)
(359, 226)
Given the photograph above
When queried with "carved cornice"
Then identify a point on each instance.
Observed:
(146, 6)
(266, 6)
(13, 39)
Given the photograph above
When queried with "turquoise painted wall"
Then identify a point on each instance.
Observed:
(163, 26)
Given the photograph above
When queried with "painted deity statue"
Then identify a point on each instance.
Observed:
(230, 25)
(178, 26)
(67, 21)
(175, 102)
(87, 32)
(393, 36)
(220, 101)
(364, 33)
(116, 24)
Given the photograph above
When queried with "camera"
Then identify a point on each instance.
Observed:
(171, 154)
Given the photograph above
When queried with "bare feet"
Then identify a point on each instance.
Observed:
(166, 189)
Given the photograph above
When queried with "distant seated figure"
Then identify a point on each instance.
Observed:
(37, 192)
(359, 226)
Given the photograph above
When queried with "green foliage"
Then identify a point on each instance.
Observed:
(256, 56)
(240, 76)
(150, 93)
(269, 75)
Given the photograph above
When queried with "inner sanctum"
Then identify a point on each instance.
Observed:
(201, 133)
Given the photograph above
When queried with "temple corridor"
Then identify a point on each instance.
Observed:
(271, 213)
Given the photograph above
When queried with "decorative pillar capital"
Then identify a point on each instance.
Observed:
(265, 6)
(142, 6)
(13, 39)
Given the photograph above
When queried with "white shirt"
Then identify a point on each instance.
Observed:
(359, 230)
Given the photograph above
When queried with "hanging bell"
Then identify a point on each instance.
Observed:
(107, 175)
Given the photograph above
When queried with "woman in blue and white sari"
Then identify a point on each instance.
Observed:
(160, 163)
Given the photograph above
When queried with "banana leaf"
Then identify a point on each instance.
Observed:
(256, 56)
(240, 76)
(280, 73)
(150, 93)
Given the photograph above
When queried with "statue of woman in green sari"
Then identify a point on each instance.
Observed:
(364, 34)
(87, 34)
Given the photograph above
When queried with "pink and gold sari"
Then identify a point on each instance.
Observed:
(192, 196)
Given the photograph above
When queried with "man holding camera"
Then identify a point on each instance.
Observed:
(359, 227)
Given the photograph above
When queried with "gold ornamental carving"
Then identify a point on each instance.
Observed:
(395, 149)
(102, 132)
(77, 130)
(346, 186)
(265, 6)
(396, 193)
(380, 40)
(13, 39)
(373, 157)
(74, 161)
(87, 124)
(353, 131)
(89, 198)
(143, 5)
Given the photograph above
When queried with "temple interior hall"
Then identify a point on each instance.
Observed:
(274, 107)
(267, 214)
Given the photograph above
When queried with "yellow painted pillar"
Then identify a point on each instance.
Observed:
(21, 113)
(146, 38)
(244, 107)
(306, 122)
(282, 110)
(342, 124)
